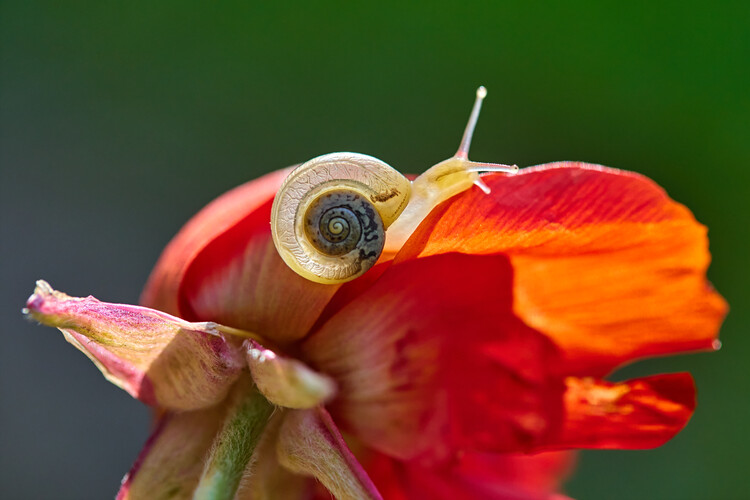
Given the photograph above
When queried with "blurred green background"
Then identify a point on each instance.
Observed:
(121, 119)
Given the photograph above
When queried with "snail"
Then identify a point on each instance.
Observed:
(334, 215)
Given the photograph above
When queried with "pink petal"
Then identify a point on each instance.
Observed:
(157, 358)
(240, 280)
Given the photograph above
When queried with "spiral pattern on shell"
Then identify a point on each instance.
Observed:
(329, 218)
(337, 222)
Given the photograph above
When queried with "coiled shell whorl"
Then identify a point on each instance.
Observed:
(330, 215)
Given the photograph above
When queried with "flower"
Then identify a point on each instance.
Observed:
(465, 364)
(457, 369)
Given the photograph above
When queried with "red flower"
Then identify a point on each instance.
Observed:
(457, 366)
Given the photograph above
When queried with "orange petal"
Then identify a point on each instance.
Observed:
(310, 444)
(430, 360)
(157, 358)
(172, 459)
(640, 413)
(605, 263)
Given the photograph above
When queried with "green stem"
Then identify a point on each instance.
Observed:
(234, 445)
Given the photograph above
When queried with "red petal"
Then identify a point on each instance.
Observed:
(239, 279)
(640, 413)
(430, 359)
(474, 475)
(223, 267)
(538, 474)
(605, 263)
(218, 216)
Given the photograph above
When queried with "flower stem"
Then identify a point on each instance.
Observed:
(234, 445)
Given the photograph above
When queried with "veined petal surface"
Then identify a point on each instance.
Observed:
(223, 267)
(310, 444)
(239, 279)
(157, 358)
(161, 291)
(605, 263)
(286, 381)
(431, 359)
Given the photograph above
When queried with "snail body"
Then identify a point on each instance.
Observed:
(335, 215)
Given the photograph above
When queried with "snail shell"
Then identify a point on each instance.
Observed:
(330, 215)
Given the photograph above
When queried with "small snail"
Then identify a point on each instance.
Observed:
(336, 214)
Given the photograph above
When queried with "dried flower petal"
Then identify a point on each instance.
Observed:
(310, 444)
(157, 358)
(171, 462)
(286, 381)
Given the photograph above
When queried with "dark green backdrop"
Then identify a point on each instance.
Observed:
(121, 119)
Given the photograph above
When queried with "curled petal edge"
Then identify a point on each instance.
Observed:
(157, 358)
(640, 413)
